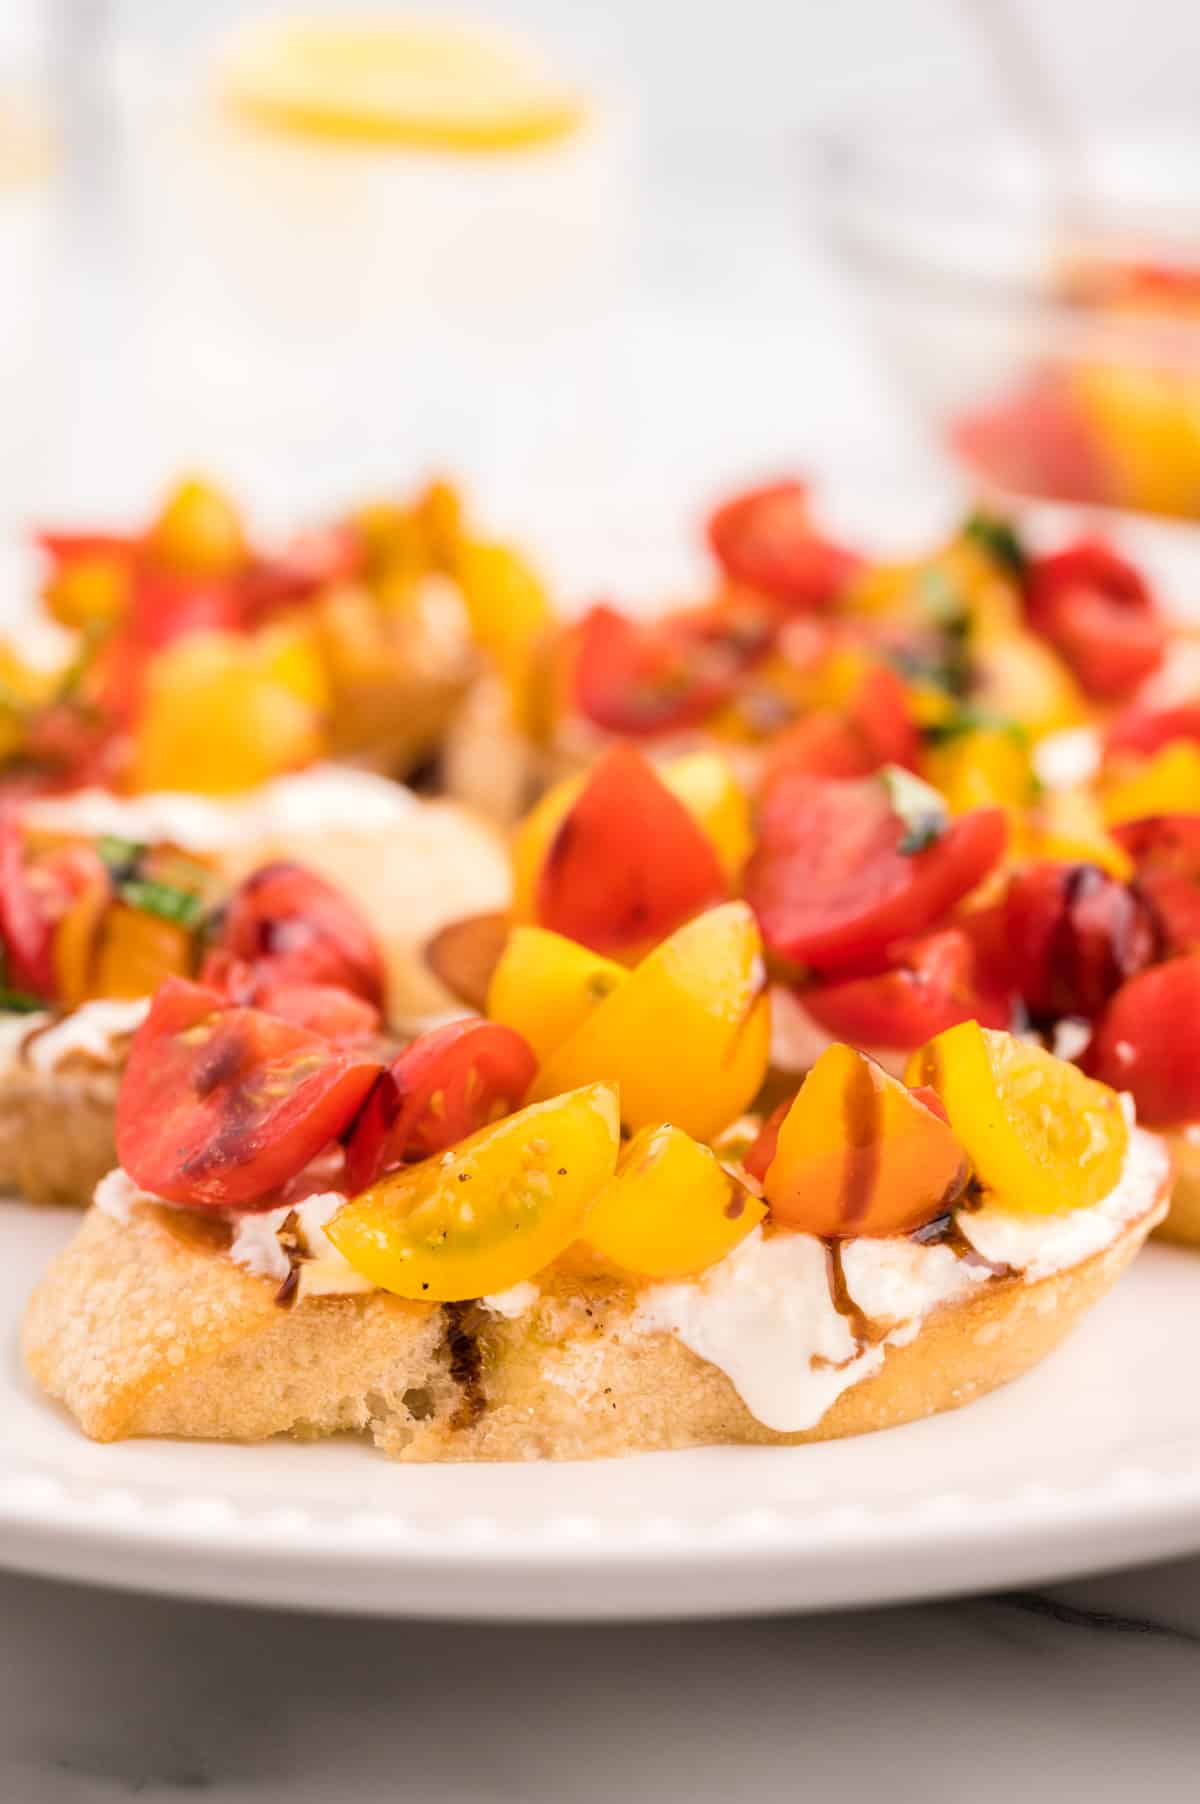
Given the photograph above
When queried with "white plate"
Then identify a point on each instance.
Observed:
(1091, 1461)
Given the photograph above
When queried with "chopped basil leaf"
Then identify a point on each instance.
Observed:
(998, 537)
(20, 1002)
(920, 807)
(184, 907)
(119, 855)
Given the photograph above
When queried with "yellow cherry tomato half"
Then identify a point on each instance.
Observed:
(1167, 783)
(1042, 1137)
(492, 1211)
(858, 1153)
(199, 530)
(706, 785)
(217, 719)
(546, 986)
(686, 1035)
(671, 1210)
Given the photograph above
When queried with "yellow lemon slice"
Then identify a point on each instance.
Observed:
(428, 85)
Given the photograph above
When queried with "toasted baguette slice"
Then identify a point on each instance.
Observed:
(432, 864)
(150, 1329)
(56, 1132)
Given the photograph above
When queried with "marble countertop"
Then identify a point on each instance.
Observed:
(1088, 1692)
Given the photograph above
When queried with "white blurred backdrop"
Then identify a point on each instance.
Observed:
(703, 334)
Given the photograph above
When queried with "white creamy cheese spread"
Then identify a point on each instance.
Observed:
(766, 1316)
(91, 1030)
(256, 1245)
(319, 800)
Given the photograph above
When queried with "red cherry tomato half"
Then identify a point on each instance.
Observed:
(1099, 613)
(1165, 849)
(1144, 731)
(26, 927)
(1075, 935)
(766, 540)
(65, 548)
(935, 985)
(310, 562)
(290, 923)
(443, 1087)
(1111, 650)
(640, 679)
(1148, 1042)
(628, 863)
(872, 729)
(167, 605)
(219, 1106)
(324, 1008)
(830, 885)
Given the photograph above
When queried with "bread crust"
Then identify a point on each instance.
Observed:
(148, 1328)
(56, 1132)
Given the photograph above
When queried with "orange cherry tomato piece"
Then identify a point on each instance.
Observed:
(858, 1153)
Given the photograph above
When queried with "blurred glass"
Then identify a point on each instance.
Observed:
(27, 242)
(332, 301)
(1050, 343)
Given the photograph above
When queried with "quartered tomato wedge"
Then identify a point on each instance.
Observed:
(1075, 935)
(935, 984)
(1042, 1138)
(858, 1153)
(310, 562)
(1144, 731)
(168, 604)
(219, 1106)
(445, 1085)
(1148, 1042)
(65, 547)
(26, 928)
(766, 539)
(628, 863)
(830, 884)
(871, 728)
(289, 922)
(323, 1008)
(639, 678)
(1097, 611)
(1165, 849)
